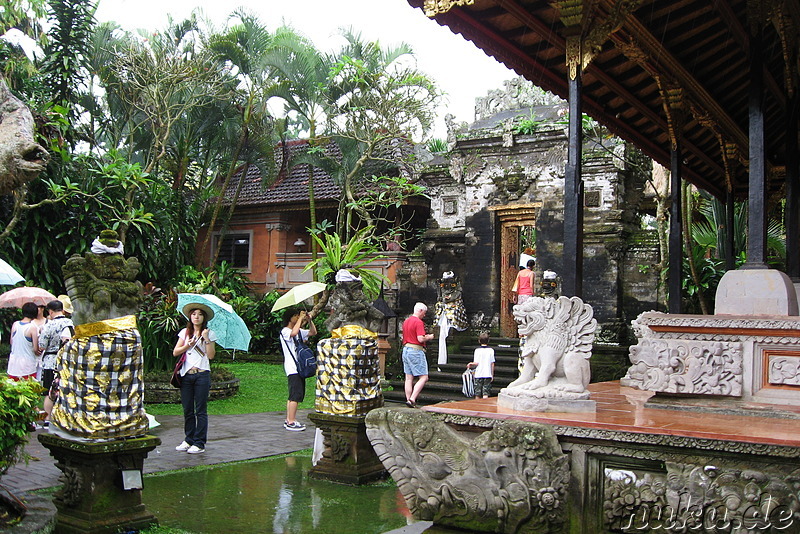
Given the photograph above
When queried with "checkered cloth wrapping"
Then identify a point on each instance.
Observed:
(348, 366)
(455, 311)
(101, 382)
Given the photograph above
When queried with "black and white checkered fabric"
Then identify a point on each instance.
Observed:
(102, 392)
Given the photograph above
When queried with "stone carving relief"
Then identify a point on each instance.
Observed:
(512, 478)
(682, 366)
(518, 93)
(700, 497)
(784, 370)
(558, 336)
(72, 489)
(21, 159)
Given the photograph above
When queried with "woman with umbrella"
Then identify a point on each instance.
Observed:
(196, 345)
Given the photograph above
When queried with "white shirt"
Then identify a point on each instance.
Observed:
(289, 351)
(22, 361)
(485, 358)
(196, 356)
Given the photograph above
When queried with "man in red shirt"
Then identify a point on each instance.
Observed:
(415, 363)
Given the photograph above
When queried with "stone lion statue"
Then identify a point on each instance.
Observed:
(558, 336)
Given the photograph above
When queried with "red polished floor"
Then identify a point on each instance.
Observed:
(622, 408)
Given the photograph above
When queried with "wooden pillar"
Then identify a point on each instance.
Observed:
(572, 277)
(675, 230)
(793, 191)
(730, 215)
(757, 204)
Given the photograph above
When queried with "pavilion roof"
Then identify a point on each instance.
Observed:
(645, 50)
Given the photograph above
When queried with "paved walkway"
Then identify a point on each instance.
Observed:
(230, 438)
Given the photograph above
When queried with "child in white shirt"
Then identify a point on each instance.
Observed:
(484, 367)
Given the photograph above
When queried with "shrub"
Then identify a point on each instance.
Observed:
(18, 410)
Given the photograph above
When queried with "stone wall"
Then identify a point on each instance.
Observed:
(493, 165)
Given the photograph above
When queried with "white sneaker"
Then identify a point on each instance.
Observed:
(194, 449)
(183, 447)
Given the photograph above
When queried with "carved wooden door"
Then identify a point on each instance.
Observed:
(509, 254)
(516, 222)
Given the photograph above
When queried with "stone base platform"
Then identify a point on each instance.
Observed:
(630, 467)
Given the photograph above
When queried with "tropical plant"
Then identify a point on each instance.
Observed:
(384, 103)
(437, 146)
(353, 255)
(19, 401)
(528, 125)
(159, 322)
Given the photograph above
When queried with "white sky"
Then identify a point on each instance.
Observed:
(461, 70)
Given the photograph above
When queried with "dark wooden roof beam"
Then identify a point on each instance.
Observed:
(742, 38)
(668, 64)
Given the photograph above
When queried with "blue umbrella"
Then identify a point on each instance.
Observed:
(8, 275)
(231, 331)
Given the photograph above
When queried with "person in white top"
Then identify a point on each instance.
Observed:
(483, 363)
(24, 358)
(197, 341)
(293, 326)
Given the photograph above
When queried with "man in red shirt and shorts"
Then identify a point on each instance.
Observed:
(415, 363)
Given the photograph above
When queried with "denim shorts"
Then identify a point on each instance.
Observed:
(415, 362)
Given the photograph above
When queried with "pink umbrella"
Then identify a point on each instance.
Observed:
(20, 295)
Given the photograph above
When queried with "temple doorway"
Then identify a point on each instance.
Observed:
(517, 234)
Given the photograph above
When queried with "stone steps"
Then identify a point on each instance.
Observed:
(444, 383)
(608, 363)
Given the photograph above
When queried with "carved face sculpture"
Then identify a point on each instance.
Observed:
(449, 289)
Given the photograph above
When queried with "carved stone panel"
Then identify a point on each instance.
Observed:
(512, 478)
(682, 366)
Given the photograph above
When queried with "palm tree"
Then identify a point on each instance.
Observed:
(240, 50)
(304, 75)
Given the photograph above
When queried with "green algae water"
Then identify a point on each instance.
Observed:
(272, 495)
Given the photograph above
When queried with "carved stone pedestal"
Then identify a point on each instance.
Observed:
(348, 457)
(93, 499)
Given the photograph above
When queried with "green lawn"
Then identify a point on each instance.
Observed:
(262, 388)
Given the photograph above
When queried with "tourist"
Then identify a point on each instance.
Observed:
(197, 342)
(23, 360)
(523, 284)
(293, 326)
(415, 363)
(52, 336)
(483, 363)
(525, 257)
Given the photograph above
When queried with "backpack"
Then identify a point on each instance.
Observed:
(306, 360)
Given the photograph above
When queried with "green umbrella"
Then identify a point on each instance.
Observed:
(232, 332)
(298, 294)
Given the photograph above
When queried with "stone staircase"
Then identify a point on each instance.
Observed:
(609, 362)
(445, 384)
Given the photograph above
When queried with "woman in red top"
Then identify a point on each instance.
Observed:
(523, 285)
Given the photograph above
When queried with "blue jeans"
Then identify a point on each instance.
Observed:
(194, 398)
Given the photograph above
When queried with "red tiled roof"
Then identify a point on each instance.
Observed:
(291, 185)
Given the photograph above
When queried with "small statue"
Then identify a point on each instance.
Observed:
(102, 283)
(349, 306)
(550, 284)
(101, 367)
(348, 381)
(449, 311)
(558, 336)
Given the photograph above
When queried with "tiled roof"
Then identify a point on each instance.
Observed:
(291, 185)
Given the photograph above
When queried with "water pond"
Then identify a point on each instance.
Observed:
(271, 495)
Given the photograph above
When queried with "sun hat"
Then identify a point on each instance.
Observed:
(187, 309)
(65, 300)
